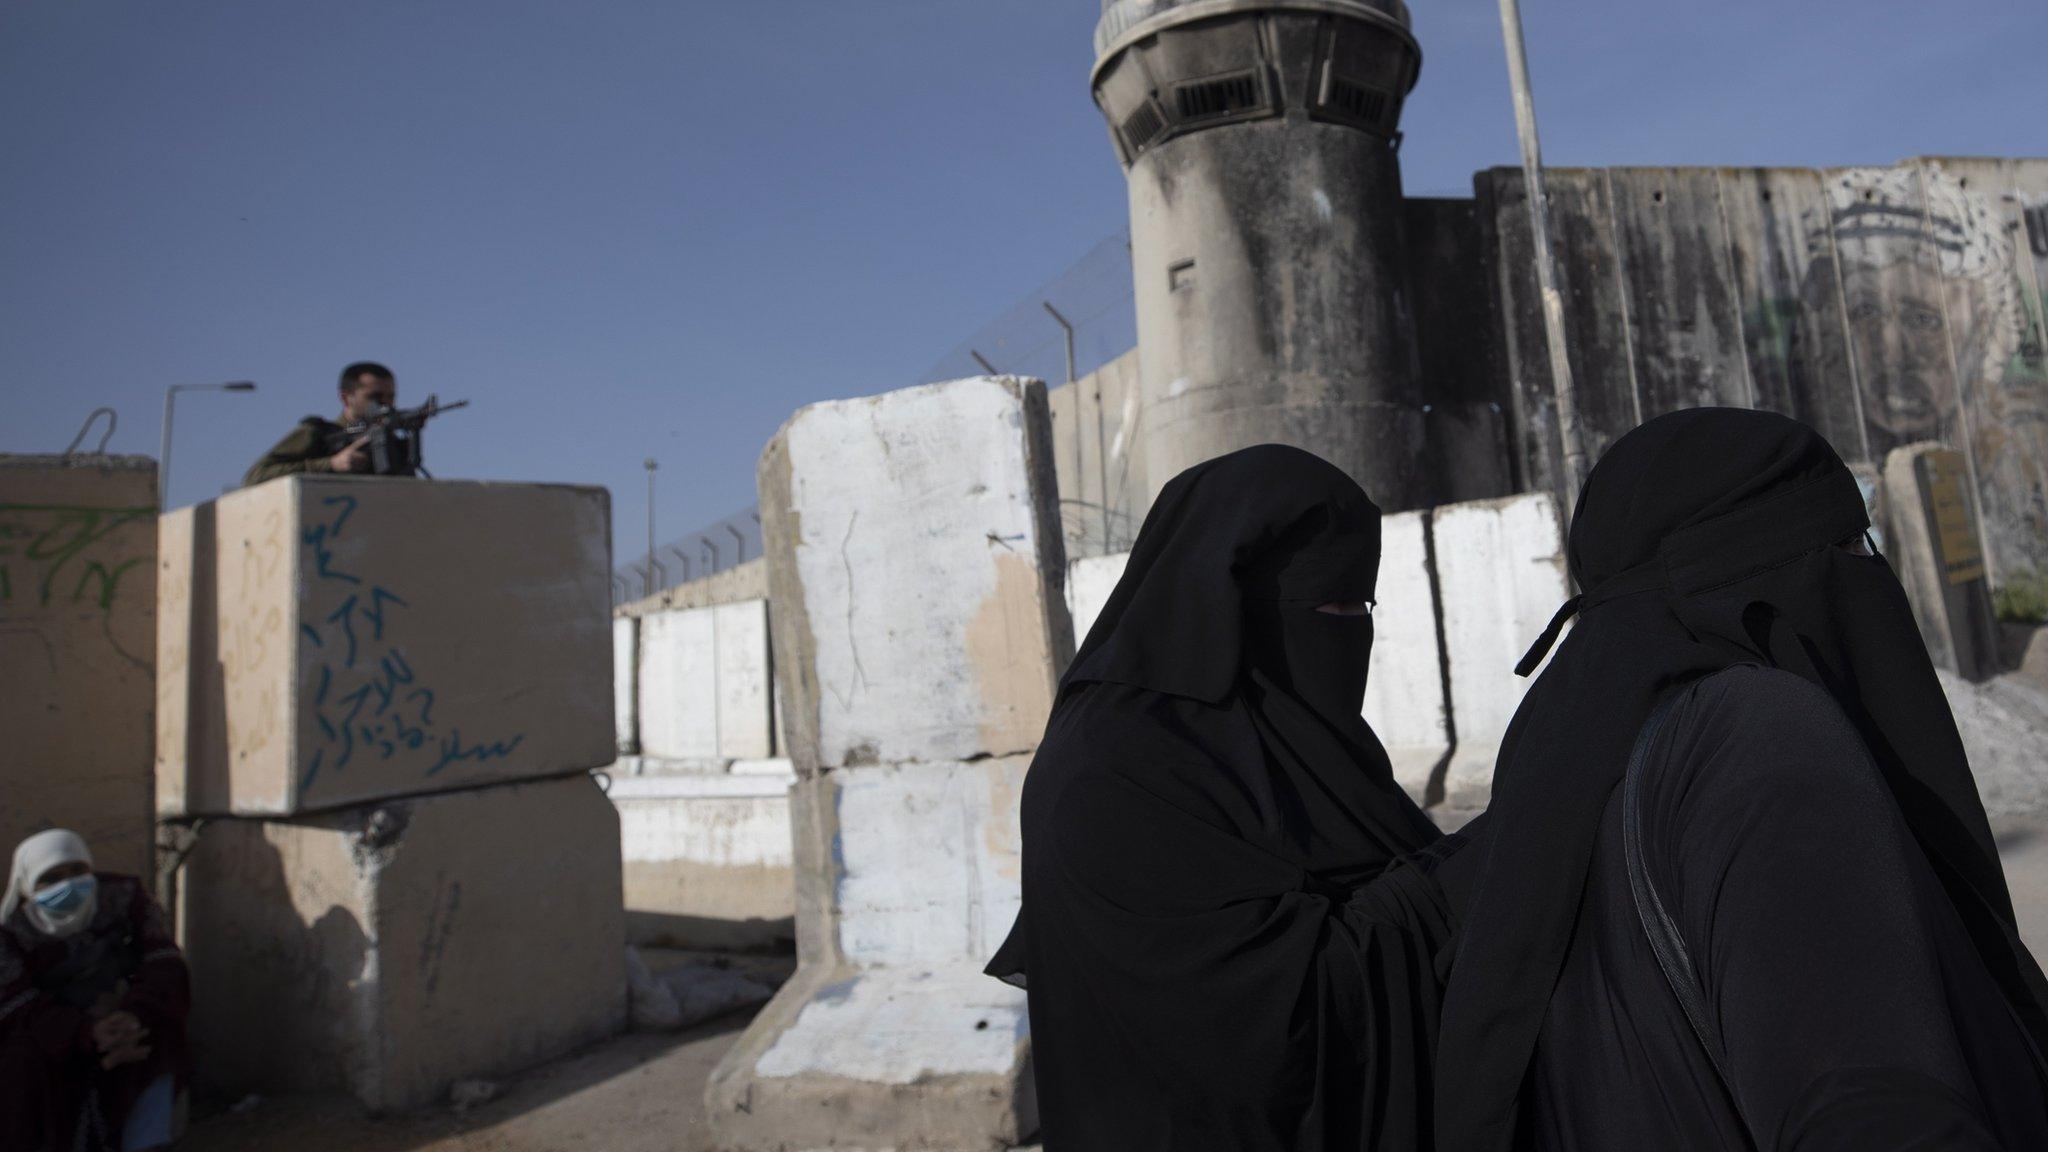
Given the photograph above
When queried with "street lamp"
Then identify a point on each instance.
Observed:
(163, 457)
(650, 465)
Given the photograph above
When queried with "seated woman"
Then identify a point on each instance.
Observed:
(1225, 938)
(1736, 888)
(93, 995)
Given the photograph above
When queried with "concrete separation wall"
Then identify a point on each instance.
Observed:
(78, 576)
(376, 949)
(360, 637)
(1883, 306)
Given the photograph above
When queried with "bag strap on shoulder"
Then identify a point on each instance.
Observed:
(1672, 955)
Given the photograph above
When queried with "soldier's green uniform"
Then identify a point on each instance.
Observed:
(306, 449)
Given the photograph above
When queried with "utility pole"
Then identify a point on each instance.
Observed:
(650, 465)
(163, 456)
(1546, 260)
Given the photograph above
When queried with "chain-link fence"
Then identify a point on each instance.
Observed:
(716, 547)
(1094, 295)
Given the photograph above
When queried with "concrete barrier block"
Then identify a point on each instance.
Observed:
(704, 684)
(78, 571)
(626, 682)
(707, 858)
(1935, 547)
(915, 564)
(1501, 574)
(1404, 689)
(677, 689)
(377, 949)
(890, 1037)
(881, 1059)
(361, 638)
(746, 726)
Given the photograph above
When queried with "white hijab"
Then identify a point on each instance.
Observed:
(37, 855)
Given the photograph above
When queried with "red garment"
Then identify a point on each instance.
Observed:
(53, 1093)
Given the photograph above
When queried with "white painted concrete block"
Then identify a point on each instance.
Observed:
(1501, 569)
(678, 691)
(915, 564)
(745, 724)
(717, 820)
(913, 541)
(901, 1026)
(890, 1036)
(1090, 580)
(707, 858)
(626, 681)
(704, 684)
(1404, 691)
(930, 860)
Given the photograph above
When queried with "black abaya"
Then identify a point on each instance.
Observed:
(1705, 540)
(1228, 930)
(1852, 1010)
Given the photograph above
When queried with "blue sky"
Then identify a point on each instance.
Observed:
(657, 227)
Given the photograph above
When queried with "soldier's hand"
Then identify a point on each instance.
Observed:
(353, 458)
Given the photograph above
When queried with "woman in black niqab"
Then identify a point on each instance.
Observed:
(1222, 944)
(1855, 977)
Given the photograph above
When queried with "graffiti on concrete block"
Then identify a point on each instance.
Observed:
(66, 556)
(367, 700)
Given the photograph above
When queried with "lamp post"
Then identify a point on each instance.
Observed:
(650, 465)
(163, 456)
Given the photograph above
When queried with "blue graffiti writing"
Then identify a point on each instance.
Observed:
(368, 700)
(452, 751)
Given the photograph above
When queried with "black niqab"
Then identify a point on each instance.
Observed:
(1704, 539)
(1214, 957)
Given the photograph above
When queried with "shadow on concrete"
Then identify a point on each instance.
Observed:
(671, 930)
(264, 979)
(632, 1093)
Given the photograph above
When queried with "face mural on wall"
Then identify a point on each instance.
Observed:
(1934, 278)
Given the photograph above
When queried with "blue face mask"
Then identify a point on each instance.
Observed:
(66, 895)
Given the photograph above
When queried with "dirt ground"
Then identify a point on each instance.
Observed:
(641, 1092)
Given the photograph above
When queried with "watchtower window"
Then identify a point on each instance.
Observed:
(1356, 101)
(1142, 127)
(1218, 97)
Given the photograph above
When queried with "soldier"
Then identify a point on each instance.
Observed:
(365, 387)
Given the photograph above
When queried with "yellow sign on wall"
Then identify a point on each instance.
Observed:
(1947, 484)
